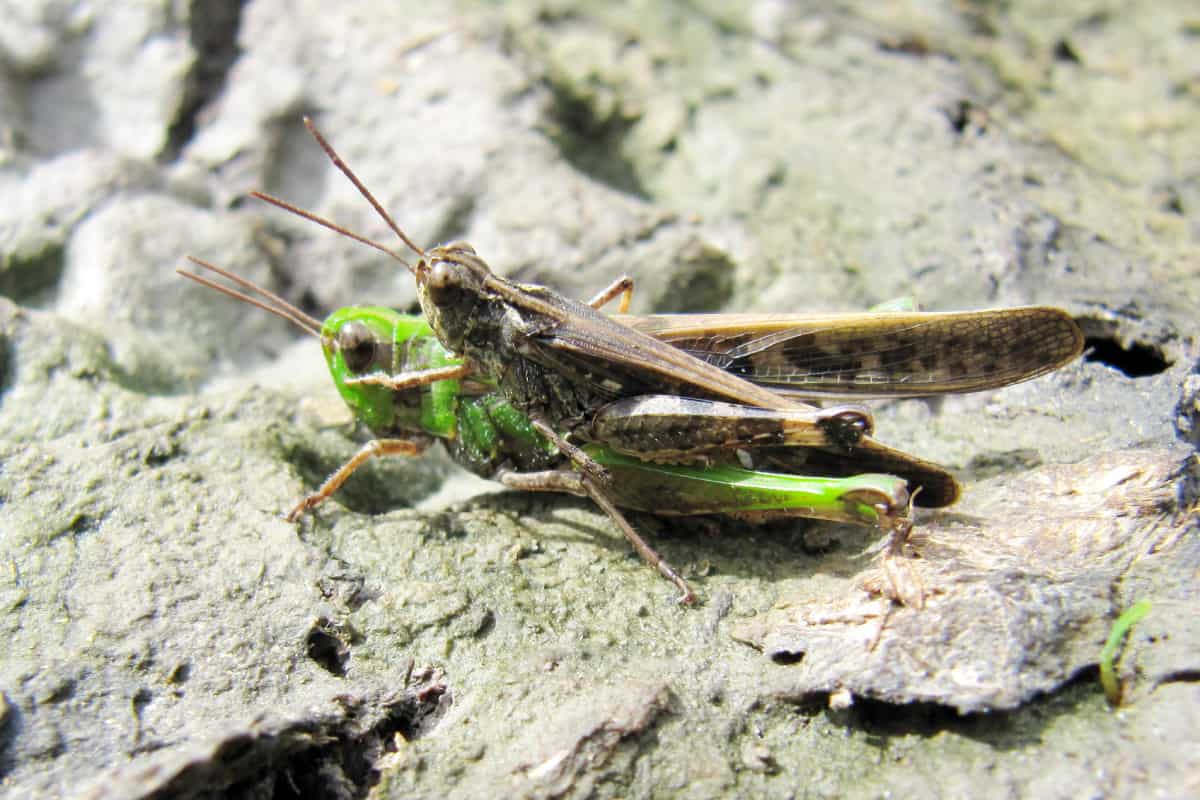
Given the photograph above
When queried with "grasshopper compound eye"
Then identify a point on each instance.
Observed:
(441, 276)
(357, 346)
(445, 283)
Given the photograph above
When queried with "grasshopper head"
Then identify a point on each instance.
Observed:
(451, 282)
(371, 340)
(357, 341)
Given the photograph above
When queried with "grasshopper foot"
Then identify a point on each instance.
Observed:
(304, 506)
(686, 597)
(901, 578)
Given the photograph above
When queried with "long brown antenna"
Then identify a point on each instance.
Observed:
(363, 190)
(331, 225)
(277, 305)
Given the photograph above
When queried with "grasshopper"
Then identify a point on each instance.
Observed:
(487, 435)
(581, 377)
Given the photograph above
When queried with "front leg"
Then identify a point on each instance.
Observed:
(372, 449)
(411, 380)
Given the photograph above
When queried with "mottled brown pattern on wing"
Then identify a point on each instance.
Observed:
(881, 354)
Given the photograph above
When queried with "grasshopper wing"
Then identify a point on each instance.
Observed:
(882, 354)
(618, 360)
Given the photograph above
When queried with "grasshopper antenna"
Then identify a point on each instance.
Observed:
(275, 304)
(362, 189)
(333, 226)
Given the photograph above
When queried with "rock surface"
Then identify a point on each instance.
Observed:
(167, 634)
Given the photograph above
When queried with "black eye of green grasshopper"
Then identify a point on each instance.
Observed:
(357, 346)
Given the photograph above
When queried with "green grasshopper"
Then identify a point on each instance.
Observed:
(577, 375)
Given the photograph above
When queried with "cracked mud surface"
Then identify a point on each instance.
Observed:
(167, 634)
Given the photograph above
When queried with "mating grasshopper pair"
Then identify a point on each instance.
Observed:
(690, 414)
